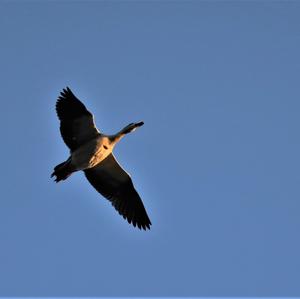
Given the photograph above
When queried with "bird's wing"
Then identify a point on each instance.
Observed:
(114, 183)
(76, 122)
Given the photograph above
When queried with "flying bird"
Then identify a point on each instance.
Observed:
(92, 152)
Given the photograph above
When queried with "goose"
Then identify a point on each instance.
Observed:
(92, 152)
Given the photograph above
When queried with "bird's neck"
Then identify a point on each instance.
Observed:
(117, 137)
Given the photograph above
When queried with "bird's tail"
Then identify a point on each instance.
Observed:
(62, 171)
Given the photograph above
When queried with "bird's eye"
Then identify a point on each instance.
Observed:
(105, 146)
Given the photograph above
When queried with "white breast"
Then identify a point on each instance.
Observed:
(91, 153)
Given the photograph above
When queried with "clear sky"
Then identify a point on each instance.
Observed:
(216, 163)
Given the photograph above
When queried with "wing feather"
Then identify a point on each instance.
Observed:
(76, 122)
(115, 184)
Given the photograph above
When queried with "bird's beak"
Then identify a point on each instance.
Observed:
(139, 124)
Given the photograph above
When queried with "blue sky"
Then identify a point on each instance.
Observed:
(216, 163)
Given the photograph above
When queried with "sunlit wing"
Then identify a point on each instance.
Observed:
(114, 183)
(76, 122)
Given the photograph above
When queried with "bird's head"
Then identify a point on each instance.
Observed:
(131, 127)
(128, 129)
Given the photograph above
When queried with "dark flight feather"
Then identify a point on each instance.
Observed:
(76, 122)
(114, 183)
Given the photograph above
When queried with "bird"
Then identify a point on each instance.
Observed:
(92, 152)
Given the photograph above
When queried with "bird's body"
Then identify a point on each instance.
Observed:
(91, 152)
